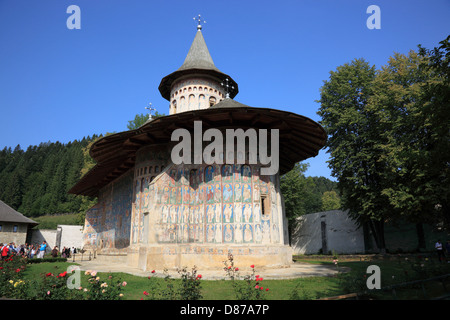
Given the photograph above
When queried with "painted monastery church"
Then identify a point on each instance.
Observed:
(157, 214)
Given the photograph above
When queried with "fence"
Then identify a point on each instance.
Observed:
(82, 256)
(420, 283)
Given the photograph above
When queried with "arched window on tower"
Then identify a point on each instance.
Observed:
(191, 101)
(201, 102)
(174, 106)
(212, 101)
(182, 104)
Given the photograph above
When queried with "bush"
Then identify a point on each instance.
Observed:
(188, 288)
(248, 288)
(109, 289)
(40, 260)
(11, 269)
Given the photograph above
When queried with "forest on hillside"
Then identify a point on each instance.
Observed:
(35, 181)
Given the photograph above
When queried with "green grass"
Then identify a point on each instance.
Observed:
(52, 221)
(392, 272)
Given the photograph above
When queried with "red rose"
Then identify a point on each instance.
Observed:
(153, 271)
(145, 293)
(252, 266)
(267, 289)
(237, 269)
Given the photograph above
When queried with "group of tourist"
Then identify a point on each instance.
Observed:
(33, 251)
(65, 252)
(24, 250)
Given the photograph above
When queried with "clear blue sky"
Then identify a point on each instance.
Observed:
(58, 84)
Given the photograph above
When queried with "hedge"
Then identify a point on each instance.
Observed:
(39, 260)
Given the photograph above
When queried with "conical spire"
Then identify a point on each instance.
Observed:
(198, 56)
(197, 62)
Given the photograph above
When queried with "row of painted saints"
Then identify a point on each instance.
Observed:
(212, 204)
(243, 233)
(238, 212)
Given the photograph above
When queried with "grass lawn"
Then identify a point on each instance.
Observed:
(52, 221)
(392, 272)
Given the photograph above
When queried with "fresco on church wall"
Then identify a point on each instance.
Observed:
(216, 204)
(107, 224)
(209, 204)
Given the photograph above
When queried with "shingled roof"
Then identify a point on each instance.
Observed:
(197, 61)
(300, 138)
(8, 214)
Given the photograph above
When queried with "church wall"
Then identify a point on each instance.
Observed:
(186, 211)
(107, 224)
(207, 204)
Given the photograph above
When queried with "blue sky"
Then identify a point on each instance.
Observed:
(58, 84)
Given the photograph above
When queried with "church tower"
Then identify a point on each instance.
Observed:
(198, 83)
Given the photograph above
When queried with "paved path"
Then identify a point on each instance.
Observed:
(296, 270)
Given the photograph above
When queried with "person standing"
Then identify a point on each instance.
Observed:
(4, 251)
(42, 249)
(440, 250)
(55, 252)
(32, 251)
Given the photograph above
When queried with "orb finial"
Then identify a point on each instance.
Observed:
(150, 109)
(228, 88)
(199, 22)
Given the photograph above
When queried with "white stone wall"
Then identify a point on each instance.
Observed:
(332, 229)
(39, 235)
(71, 236)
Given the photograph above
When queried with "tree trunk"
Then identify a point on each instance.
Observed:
(420, 237)
(377, 228)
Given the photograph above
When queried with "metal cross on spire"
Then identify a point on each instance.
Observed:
(199, 20)
(228, 88)
(150, 109)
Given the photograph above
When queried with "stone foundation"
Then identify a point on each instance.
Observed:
(208, 257)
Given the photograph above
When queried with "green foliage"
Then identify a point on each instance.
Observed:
(190, 286)
(11, 270)
(303, 195)
(42, 260)
(140, 119)
(300, 292)
(187, 288)
(352, 137)
(387, 132)
(330, 201)
(35, 182)
(109, 289)
(249, 287)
